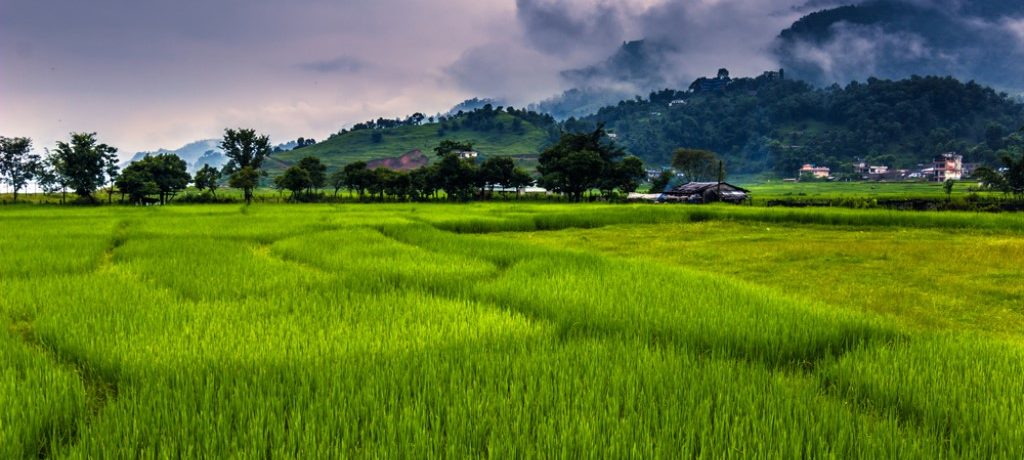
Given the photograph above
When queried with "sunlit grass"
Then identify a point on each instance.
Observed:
(509, 330)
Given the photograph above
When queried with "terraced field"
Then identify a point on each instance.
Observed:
(508, 330)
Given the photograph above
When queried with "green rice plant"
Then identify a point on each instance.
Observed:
(404, 331)
(40, 402)
(964, 389)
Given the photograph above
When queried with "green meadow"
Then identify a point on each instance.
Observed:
(509, 330)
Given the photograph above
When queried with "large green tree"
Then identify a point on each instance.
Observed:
(136, 183)
(357, 177)
(316, 170)
(82, 163)
(208, 179)
(245, 151)
(163, 175)
(1014, 174)
(497, 171)
(18, 166)
(579, 162)
(624, 176)
(458, 177)
(295, 178)
(696, 165)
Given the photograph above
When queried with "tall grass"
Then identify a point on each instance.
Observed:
(356, 331)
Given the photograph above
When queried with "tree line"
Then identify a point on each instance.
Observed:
(577, 163)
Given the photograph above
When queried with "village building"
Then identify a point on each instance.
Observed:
(817, 172)
(867, 171)
(948, 166)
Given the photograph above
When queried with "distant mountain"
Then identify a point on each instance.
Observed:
(195, 154)
(971, 40)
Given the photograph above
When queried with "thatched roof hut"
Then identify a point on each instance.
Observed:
(708, 192)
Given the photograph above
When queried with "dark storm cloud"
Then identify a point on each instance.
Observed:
(565, 27)
(583, 41)
(682, 39)
(685, 39)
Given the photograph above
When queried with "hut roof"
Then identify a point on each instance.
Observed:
(700, 187)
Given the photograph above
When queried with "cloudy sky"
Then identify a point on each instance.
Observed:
(161, 73)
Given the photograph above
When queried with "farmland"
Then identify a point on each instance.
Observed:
(509, 330)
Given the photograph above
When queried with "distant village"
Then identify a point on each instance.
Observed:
(947, 166)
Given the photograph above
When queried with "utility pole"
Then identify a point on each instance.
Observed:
(721, 178)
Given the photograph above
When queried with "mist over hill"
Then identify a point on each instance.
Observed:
(829, 42)
(971, 40)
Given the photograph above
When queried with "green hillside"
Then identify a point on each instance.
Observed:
(774, 124)
(493, 136)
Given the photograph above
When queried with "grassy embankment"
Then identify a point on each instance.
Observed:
(425, 330)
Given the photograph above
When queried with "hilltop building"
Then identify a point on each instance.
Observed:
(718, 84)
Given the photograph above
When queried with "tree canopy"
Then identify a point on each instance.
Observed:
(583, 161)
(245, 151)
(82, 164)
(163, 175)
(696, 165)
(18, 166)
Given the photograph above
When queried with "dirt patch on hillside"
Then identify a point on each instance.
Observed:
(411, 160)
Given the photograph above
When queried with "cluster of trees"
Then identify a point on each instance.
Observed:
(388, 123)
(771, 124)
(18, 166)
(578, 163)
(303, 142)
(163, 175)
(460, 178)
(586, 161)
(82, 165)
(491, 119)
(306, 177)
(488, 118)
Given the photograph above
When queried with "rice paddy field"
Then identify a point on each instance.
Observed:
(764, 191)
(508, 331)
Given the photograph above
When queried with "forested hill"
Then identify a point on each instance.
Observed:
(492, 130)
(769, 123)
